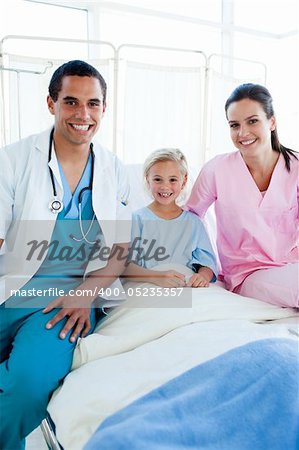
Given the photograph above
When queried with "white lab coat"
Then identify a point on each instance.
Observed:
(25, 194)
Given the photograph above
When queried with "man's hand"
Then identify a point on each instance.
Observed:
(77, 308)
(78, 317)
(165, 278)
(168, 279)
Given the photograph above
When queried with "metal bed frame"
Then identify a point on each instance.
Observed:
(49, 435)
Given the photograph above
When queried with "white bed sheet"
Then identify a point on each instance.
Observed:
(138, 349)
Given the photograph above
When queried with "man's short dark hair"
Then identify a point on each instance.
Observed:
(71, 68)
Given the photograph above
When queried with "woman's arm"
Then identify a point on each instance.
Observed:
(203, 193)
(203, 255)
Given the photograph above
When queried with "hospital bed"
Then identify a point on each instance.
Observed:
(146, 350)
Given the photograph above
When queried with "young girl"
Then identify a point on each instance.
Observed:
(162, 233)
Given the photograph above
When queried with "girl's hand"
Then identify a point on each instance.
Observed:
(202, 278)
(198, 280)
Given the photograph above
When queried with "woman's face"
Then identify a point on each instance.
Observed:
(250, 129)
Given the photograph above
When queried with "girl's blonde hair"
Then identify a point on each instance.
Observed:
(166, 154)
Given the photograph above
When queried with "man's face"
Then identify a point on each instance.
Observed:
(78, 110)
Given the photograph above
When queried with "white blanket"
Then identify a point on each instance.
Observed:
(133, 324)
(137, 349)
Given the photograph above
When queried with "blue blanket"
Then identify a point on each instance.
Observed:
(245, 399)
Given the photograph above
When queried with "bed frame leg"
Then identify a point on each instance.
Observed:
(49, 435)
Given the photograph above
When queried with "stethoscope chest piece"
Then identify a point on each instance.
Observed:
(56, 205)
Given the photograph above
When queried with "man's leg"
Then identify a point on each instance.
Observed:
(278, 286)
(38, 362)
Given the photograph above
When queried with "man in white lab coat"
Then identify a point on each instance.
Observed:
(61, 198)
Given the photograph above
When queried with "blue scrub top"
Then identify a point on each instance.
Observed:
(66, 260)
(71, 201)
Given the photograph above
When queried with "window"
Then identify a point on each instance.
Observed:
(21, 17)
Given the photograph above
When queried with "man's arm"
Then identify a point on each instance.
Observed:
(102, 278)
(165, 278)
(1, 242)
(77, 308)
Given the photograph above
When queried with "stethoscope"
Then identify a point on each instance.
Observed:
(56, 205)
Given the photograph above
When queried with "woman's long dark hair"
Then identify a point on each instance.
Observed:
(261, 95)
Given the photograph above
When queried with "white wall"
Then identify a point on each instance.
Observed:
(193, 25)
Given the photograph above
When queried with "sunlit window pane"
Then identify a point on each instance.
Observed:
(201, 9)
(120, 28)
(279, 16)
(29, 18)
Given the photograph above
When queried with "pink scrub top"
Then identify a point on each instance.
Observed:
(254, 231)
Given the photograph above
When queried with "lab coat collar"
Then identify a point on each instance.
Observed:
(42, 141)
(42, 145)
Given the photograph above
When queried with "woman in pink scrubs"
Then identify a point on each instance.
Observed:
(255, 191)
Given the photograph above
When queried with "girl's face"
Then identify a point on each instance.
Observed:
(165, 182)
(250, 129)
